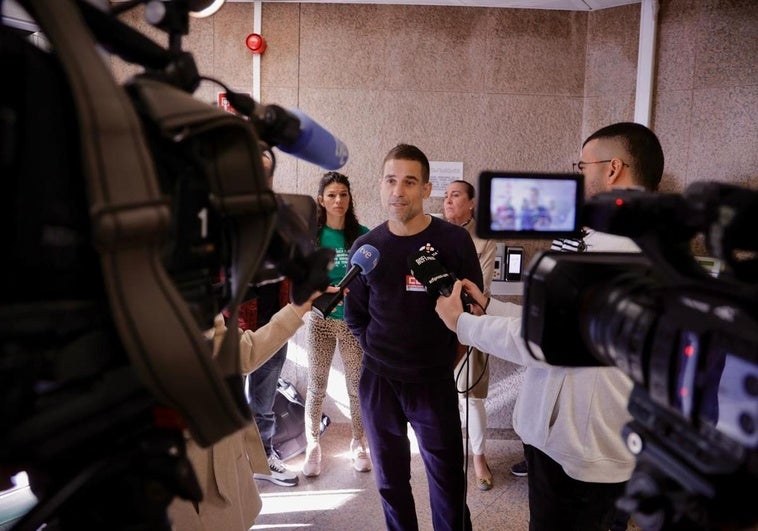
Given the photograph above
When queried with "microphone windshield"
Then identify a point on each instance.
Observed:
(363, 261)
(315, 144)
(366, 257)
(429, 271)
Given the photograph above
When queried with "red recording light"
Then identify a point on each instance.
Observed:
(619, 202)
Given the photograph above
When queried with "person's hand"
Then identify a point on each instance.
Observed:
(345, 291)
(450, 308)
(475, 293)
(304, 308)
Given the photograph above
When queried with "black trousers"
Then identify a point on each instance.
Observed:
(558, 502)
(432, 410)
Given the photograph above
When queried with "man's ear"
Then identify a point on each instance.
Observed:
(614, 170)
(427, 189)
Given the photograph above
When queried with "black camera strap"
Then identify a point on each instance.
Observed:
(130, 219)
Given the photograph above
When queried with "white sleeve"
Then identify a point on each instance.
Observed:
(498, 334)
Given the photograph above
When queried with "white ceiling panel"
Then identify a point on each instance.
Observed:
(566, 5)
(17, 17)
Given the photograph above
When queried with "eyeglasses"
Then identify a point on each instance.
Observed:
(579, 166)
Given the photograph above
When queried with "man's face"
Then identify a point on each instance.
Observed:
(595, 175)
(402, 189)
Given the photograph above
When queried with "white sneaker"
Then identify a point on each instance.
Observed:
(280, 475)
(312, 463)
(361, 460)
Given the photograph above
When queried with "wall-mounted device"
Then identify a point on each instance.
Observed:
(514, 258)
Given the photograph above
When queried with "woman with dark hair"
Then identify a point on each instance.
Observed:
(338, 228)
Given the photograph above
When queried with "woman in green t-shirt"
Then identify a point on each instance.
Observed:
(338, 228)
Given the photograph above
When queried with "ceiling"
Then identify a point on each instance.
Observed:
(566, 5)
(16, 17)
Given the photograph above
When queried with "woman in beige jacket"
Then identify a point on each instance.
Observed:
(225, 470)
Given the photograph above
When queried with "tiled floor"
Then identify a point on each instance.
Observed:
(343, 499)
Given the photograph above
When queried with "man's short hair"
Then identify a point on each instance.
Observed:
(409, 152)
(643, 147)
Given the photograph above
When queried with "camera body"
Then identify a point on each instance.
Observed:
(135, 214)
(688, 340)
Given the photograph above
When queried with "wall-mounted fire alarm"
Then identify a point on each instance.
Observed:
(255, 43)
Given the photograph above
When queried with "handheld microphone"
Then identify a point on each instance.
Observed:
(297, 134)
(363, 261)
(436, 279)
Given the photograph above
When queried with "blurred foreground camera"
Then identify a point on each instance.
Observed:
(134, 215)
(687, 339)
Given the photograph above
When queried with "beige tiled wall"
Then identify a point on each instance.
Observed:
(495, 89)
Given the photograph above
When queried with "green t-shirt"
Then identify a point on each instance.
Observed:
(335, 239)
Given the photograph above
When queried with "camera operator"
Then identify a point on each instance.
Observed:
(570, 419)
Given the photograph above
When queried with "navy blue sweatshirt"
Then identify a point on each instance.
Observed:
(390, 312)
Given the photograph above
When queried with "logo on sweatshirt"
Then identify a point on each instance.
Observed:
(411, 283)
(428, 248)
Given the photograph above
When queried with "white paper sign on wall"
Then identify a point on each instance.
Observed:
(442, 173)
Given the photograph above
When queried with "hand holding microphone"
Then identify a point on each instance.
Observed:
(451, 308)
(363, 261)
(436, 279)
(306, 306)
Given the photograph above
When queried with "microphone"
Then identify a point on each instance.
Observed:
(296, 133)
(436, 279)
(293, 132)
(363, 261)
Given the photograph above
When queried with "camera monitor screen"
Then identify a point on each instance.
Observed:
(529, 205)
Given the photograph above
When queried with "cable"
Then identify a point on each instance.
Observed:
(469, 387)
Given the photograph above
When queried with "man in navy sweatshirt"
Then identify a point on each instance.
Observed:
(409, 354)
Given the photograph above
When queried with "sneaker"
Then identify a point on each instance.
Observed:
(280, 475)
(312, 463)
(361, 461)
(519, 469)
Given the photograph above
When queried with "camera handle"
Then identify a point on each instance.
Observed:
(172, 66)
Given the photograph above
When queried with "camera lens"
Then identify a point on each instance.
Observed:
(621, 324)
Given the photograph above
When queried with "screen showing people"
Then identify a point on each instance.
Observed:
(529, 203)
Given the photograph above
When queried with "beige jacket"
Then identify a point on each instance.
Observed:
(225, 470)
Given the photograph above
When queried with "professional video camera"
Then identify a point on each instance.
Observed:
(134, 214)
(687, 339)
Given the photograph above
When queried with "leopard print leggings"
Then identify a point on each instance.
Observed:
(323, 336)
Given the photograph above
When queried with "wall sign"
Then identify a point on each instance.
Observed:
(443, 173)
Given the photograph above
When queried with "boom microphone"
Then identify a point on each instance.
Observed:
(303, 138)
(293, 132)
(363, 261)
(436, 279)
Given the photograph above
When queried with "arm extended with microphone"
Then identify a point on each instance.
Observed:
(363, 261)
(436, 279)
